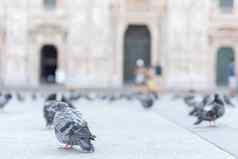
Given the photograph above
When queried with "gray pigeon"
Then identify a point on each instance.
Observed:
(34, 96)
(228, 101)
(4, 99)
(20, 97)
(190, 100)
(74, 96)
(50, 108)
(71, 129)
(147, 100)
(216, 112)
(197, 106)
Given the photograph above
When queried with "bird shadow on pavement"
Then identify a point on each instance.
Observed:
(72, 150)
(209, 128)
(7, 113)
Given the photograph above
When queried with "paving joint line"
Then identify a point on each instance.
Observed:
(199, 136)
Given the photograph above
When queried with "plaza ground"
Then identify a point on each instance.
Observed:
(124, 130)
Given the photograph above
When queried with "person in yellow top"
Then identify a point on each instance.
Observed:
(152, 82)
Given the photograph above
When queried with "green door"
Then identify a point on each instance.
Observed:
(224, 57)
(137, 45)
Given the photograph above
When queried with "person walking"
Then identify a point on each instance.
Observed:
(232, 78)
(140, 72)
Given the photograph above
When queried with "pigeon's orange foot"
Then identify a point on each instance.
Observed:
(67, 147)
(212, 124)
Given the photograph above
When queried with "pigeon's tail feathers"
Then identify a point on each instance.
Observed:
(195, 111)
(198, 121)
(228, 101)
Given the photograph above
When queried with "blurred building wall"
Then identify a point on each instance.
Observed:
(89, 37)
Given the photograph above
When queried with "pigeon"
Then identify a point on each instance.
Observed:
(155, 95)
(147, 100)
(74, 96)
(112, 98)
(20, 97)
(4, 99)
(90, 96)
(228, 101)
(189, 100)
(216, 112)
(176, 97)
(65, 100)
(115, 97)
(71, 129)
(33, 96)
(198, 105)
(52, 96)
(102, 97)
(129, 97)
(50, 108)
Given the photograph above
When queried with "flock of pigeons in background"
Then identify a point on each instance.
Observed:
(72, 130)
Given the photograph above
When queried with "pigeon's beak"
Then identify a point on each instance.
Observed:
(93, 137)
(86, 145)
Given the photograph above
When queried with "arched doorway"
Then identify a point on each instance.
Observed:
(224, 57)
(137, 45)
(49, 56)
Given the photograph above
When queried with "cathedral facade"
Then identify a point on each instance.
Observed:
(94, 43)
